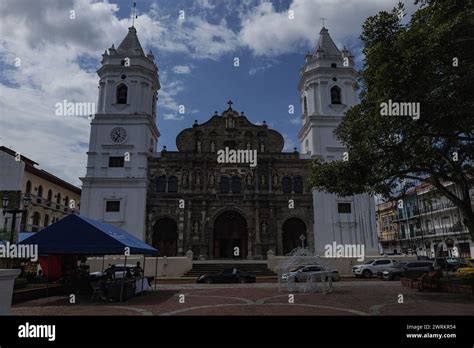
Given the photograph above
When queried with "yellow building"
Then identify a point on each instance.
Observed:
(51, 197)
(387, 231)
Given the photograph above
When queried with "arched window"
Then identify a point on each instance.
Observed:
(46, 220)
(236, 184)
(224, 185)
(58, 200)
(28, 188)
(286, 184)
(173, 184)
(333, 65)
(305, 105)
(335, 95)
(36, 222)
(161, 184)
(122, 91)
(40, 194)
(66, 203)
(298, 184)
(50, 198)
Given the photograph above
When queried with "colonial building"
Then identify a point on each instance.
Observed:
(191, 199)
(328, 89)
(426, 223)
(387, 231)
(228, 210)
(51, 198)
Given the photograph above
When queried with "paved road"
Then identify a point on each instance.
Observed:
(357, 298)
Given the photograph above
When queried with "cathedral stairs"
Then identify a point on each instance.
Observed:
(257, 269)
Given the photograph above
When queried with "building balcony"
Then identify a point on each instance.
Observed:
(388, 236)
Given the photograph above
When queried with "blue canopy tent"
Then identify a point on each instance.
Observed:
(77, 234)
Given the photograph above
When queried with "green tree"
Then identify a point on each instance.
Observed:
(429, 61)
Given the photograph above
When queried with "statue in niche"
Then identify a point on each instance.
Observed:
(212, 179)
(264, 227)
(262, 147)
(213, 146)
(185, 179)
(197, 178)
(275, 180)
(249, 146)
(198, 145)
(196, 227)
(263, 180)
(248, 179)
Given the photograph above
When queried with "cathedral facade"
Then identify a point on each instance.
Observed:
(228, 210)
(228, 191)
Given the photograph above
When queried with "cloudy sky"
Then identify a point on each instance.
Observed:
(47, 57)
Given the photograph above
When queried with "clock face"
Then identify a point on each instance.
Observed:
(118, 135)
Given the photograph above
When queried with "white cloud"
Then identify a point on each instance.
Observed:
(268, 32)
(296, 120)
(173, 117)
(289, 143)
(181, 69)
(262, 65)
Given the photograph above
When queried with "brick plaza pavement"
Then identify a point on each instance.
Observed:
(347, 298)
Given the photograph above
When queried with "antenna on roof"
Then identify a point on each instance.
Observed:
(134, 13)
(322, 20)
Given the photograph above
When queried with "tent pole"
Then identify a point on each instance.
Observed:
(144, 265)
(156, 270)
(123, 278)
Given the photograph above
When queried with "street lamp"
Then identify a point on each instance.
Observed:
(5, 200)
(5, 203)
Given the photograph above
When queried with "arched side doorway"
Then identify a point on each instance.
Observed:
(230, 231)
(165, 237)
(293, 229)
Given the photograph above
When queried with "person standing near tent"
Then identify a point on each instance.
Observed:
(137, 273)
(110, 273)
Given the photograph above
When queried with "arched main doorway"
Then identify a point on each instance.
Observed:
(165, 237)
(293, 229)
(230, 231)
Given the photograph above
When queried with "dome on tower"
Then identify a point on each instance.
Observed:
(130, 46)
(325, 46)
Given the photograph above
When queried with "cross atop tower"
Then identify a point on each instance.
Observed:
(322, 20)
(134, 13)
(230, 104)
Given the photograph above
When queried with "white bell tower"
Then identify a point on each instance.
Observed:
(328, 90)
(123, 136)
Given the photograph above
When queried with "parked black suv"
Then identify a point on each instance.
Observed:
(416, 269)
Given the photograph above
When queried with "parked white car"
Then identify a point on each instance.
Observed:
(314, 272)
(372, 267)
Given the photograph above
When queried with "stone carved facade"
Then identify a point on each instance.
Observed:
(219, 207)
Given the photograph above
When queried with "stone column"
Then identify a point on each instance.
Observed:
(188, 220)
(249, 244)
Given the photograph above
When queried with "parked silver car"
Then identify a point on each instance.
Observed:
(372, 267)
(314, 272)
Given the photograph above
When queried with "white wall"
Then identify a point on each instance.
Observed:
(169, 267)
